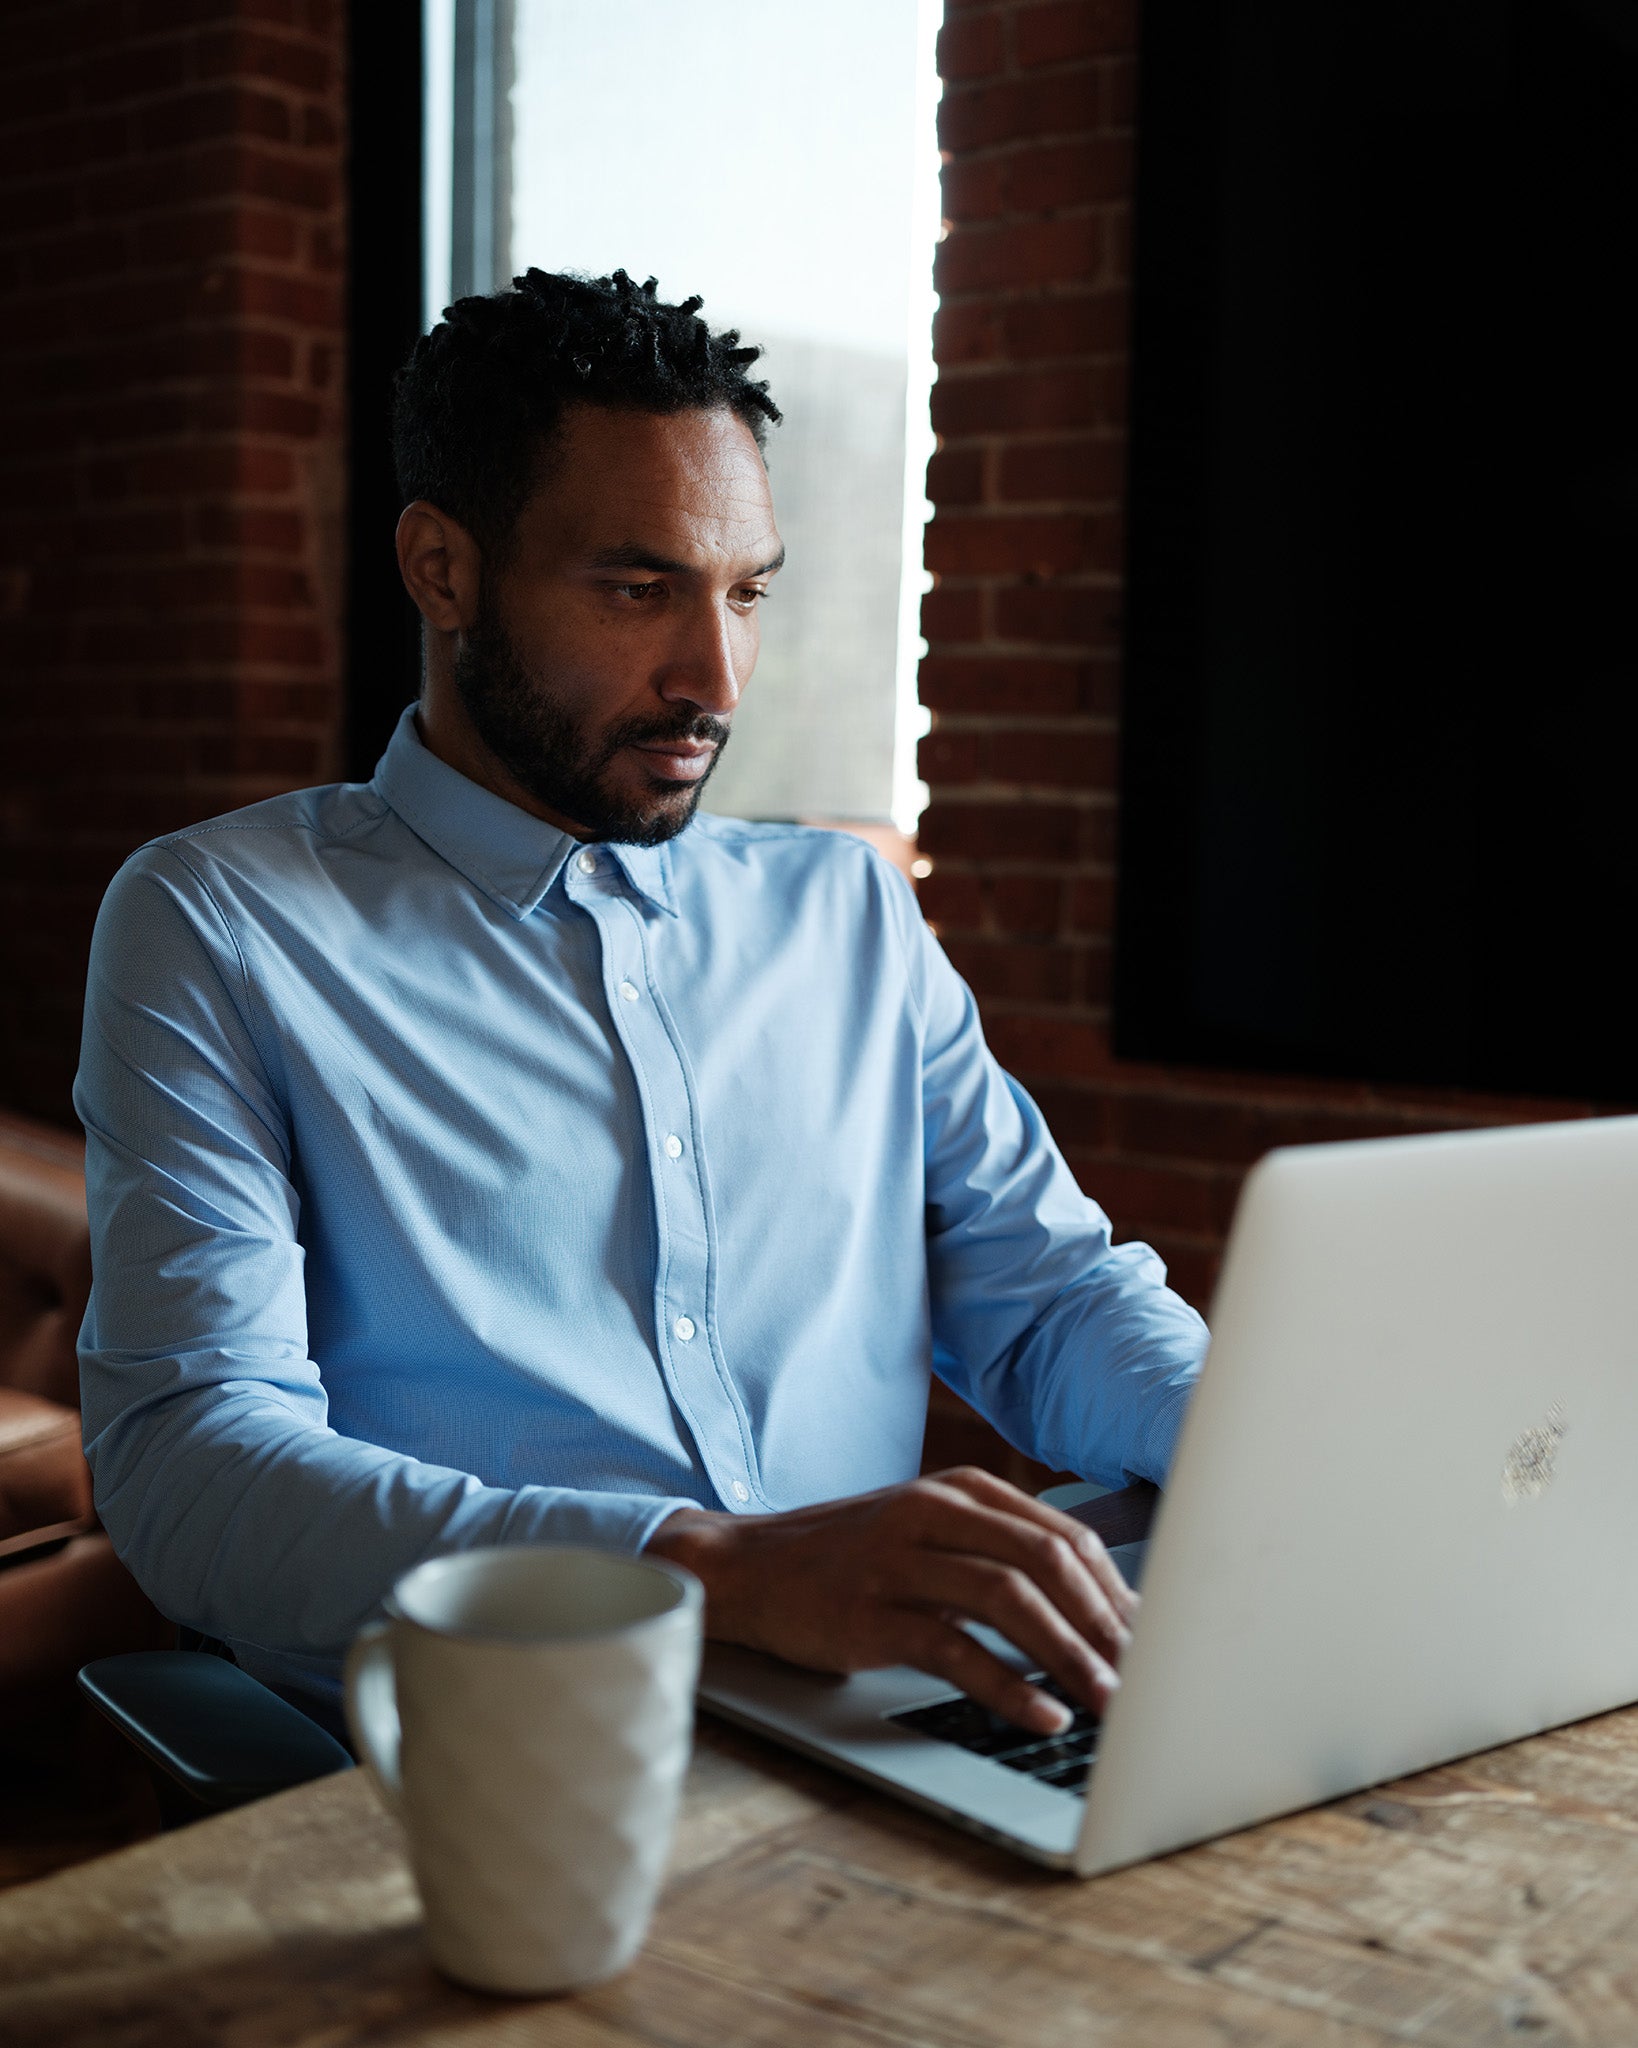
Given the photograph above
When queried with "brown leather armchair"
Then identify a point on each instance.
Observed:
(64, 1596)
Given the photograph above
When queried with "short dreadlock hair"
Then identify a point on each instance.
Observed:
(481, 399)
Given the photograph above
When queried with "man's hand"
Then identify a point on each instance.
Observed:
(887, 1578)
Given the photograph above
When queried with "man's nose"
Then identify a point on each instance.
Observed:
(705, 667)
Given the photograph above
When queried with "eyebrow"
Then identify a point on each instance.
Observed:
(632, 555)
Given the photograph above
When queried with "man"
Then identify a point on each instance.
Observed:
(501, 1152)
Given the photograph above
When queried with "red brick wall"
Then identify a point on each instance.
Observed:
(1023, 670)
(170, 453)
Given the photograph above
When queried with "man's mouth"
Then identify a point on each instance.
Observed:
(677, 760)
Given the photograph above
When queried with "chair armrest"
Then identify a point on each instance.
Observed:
(215, 1731)
(37, 1543)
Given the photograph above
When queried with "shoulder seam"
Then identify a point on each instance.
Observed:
(232, 936)
(188, 833)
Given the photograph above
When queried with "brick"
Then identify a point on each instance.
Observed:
(126, 535)
(1078, 1117)
(973, 188)
(971, 46)
(955, 476)
(228, 229)
(241, 52)
(1073, 249)
(1234, 1133)
(952, 615)
(953, 900)
(1017, 830)
(968, 332)
(50, 210)
(1057, 758)
(286, 413)
(997, 684)
(1060, 615)
(1092, 904)
(210, 112)
(133, 72)
(291, 180)
(182, 472)
(1001, 401)
(1059, 31)
(193, 586)
(313, 704)
(1063, 174)
(319, 128)
(293, 758)
(326, 249)
(1027, 906)
(982, 116)
(1091, 323)
(1012, 972)
(242, 350)
(1119, 222)
(1041, 1046)
(1117, 90)
(308, 302)
(1036, 545)
(123, 754)
(94, 252)
(1082, 468)
(246, 529)
(281, 644)
(1175, 1198)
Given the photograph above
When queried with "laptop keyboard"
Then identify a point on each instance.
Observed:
(1059, 1760)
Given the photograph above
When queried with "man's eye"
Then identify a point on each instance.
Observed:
(639, 593)
(749, 596)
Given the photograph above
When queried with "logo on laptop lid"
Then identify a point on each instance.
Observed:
(1527, 1470)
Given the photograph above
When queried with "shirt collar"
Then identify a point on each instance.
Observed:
(508, 854)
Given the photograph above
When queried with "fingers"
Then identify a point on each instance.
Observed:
(948, 1652)
(1057, 1566)
(996, 1493)
(980, 1589)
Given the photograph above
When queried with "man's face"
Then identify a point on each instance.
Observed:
(610, 649)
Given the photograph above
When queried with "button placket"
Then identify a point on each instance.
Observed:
(687, 1347)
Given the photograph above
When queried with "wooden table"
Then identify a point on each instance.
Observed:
(1493, 1901)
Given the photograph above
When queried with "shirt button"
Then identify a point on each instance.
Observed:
(587, 863)
(673, 1146)
(741, 1490)
(684, 1327)
(628, 991)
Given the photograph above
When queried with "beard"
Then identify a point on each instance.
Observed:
(534, 736)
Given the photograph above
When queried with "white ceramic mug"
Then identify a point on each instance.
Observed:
(527, 1713)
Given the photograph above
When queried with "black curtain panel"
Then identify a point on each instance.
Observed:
(384, 286)
(1381, 710)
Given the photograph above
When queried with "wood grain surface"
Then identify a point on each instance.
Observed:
(1491, 1901)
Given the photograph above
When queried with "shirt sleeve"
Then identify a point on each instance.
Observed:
(1074, 1348)
(234, 1504)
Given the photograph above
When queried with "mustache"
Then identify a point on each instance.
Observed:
(638, 732)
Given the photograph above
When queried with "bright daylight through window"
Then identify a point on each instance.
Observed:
(782, 164)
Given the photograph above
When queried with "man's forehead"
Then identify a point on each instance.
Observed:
(688, 484)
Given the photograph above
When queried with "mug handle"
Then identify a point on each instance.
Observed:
(372, 1710)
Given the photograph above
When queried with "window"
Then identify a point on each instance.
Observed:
(782, 163)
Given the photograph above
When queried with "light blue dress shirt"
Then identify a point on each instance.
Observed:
(453, 1183)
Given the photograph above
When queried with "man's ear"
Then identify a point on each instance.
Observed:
(440, 564)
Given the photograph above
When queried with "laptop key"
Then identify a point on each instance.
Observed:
(1059, 1760)
(969, 1726)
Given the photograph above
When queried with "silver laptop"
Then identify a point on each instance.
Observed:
(1400, 1527)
